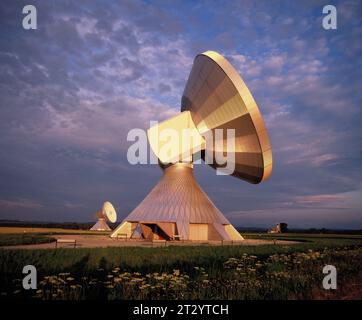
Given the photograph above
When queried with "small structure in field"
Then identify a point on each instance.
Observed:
(279, 228)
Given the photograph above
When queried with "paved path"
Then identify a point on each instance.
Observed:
(102, 241)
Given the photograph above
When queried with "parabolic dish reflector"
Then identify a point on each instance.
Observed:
(218, 98)
(109, 212)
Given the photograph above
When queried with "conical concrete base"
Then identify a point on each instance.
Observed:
(177, 208)
(101, 225)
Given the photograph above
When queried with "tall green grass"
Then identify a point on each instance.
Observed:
(98, 263)
(279, 276)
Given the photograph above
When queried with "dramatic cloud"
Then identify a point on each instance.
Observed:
(72, 89)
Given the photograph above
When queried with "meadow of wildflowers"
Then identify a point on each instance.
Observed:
(281, 275)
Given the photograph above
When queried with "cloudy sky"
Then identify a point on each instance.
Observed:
(72, 89)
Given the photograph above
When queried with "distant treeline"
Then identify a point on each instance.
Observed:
(325, 231)
(311, 230)
(61, 225)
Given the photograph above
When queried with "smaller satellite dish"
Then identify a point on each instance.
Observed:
(107, 213)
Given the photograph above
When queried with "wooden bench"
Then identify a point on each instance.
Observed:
(231, 242)
(204, 243)
(226, 242)
(72, 241)
(122, 236)
(177, 237)
(154, 241)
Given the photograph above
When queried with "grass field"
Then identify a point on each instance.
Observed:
(12, 239)
(10, 236)
(201, 272)
(49, 231)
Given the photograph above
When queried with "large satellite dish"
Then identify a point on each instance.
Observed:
(107, 213)
(215, 97)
